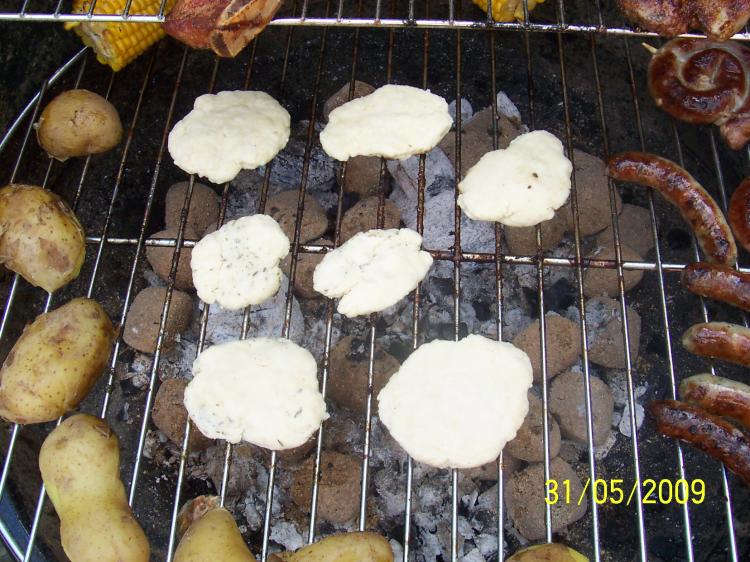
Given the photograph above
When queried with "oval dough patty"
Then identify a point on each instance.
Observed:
(393, 122)
(372, 270)
(228, 132)
(238, 265)
(261, 390)
(521, 185)
(456, 404)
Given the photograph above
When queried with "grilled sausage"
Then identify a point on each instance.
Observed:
(717, 395)
(681, 189)
(718, 282)
(720, 340)
(709, 433)
(739, 213)
(700, 81)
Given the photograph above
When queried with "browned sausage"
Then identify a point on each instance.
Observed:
(720, 340)
(709, 433)
(697, 207)
(717, 395)
(701, 81)
(739, 213)
(718, 282)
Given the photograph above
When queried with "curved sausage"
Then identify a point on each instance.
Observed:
(739, 213)
(719, 340)
(709, 433)
(717, 395)
(718, 282)
(681, 189)
(700, 81)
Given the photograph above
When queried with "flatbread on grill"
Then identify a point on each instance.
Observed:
(372, 270)
(392, 122)
(260, 390)
(456, 404)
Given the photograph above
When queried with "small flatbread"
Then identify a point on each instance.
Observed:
(228, 132)
(392, 122)
(238, 265)
(260, 390)
(372, 270)
(521, 185)
(456, 404)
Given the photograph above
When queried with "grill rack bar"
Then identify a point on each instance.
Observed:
(457, 257)
(581, 302)
(446, 255)
(303, 20)
(375, 22)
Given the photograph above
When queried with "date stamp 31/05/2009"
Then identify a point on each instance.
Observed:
(615, 491)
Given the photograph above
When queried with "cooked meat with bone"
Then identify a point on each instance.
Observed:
(700, 81)
(719, 19)
(224, 26)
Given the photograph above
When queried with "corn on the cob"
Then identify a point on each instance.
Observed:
(507, 10)
(118, 43)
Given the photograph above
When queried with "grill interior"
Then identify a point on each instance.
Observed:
(587, 88)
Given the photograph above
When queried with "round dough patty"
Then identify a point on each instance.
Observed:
(372, 270)
(521, 185)
(238, 265)
(228, 132)
(393, 122)
(456, 404)
(260, 390)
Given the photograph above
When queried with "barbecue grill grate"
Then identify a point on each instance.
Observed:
(164, 94)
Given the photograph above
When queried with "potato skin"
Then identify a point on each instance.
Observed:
(548, 553)
(212, 534)
(344, 547)
(80, 466)
(78, 123)
(40, 236)
(55, 362)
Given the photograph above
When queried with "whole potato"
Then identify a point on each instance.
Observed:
(548, 553)
(211, 535)
(344, 547)
(40, 236)
(55, 362)
(78, 123)
(80, 466)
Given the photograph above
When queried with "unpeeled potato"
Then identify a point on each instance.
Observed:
(344, 547)
(40, 236)
(548, 553)
(80, 466)
(211, 534)
(78, 123)
(55, 362)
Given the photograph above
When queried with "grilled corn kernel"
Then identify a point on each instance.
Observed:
(117, 44)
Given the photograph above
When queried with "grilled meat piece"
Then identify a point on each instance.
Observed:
(224, 26)
(719, 19)
(738, 214)
(681, 189)
(700, 81)
(709, 433)
(718, 396)
(719, 340)
(718, 282)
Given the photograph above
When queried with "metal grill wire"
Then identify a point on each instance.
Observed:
(498, 260)
(60, 11)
